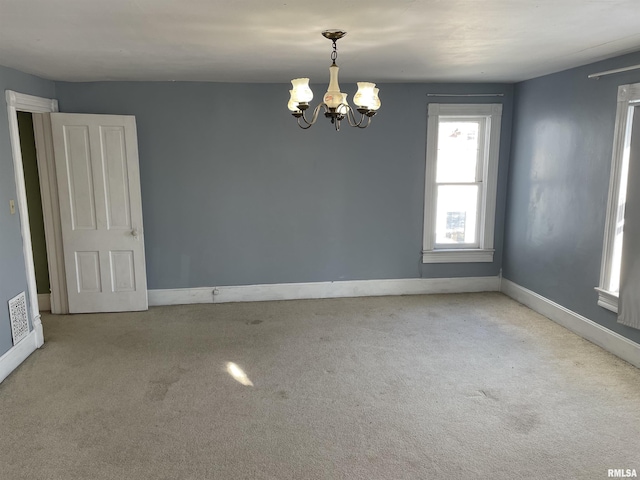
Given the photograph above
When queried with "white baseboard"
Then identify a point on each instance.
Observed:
(180, 296)
(587, 329)
(17, 354)
(44, 302)
(297, 291)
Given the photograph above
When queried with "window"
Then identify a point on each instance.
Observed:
(628, 99)
(461, 182)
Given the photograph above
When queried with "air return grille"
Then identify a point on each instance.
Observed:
(18, 316)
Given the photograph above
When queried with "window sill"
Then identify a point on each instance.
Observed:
(457, 256)
(607, 299)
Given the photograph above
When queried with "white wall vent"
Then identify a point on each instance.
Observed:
(18, 317)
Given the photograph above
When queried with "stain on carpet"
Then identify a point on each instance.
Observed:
(159, 387)
(522, 418)
(283, 394)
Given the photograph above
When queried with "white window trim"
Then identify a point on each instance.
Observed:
(628, 99)
(486, 226)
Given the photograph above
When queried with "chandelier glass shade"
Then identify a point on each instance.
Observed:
(334, 102)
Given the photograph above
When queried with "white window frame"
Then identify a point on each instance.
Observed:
(432, 252)
(628, 99)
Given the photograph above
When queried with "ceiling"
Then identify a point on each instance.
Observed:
(274, 41)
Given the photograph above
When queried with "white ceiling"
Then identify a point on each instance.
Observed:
(274, 41)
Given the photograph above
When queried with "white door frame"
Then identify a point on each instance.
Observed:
(59, 302)
(29, 103)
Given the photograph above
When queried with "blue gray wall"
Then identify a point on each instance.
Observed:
(235, 193)
(12, 270)
(558, 185)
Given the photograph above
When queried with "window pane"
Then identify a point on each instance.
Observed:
(456, 214)
(457, 151)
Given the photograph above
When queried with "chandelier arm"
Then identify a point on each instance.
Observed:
(314, 117)
(304, 119)
(367, 124)
(304, 127)
(316, 111)
(352, 119)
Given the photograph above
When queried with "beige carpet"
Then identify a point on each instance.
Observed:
(425, 387)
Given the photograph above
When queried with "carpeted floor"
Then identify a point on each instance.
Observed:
(472, 386)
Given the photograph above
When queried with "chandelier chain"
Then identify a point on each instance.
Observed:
(334, 54)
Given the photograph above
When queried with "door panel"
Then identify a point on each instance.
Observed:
(97, 169)
(80, 180)
(122, 271)
(88, 271)
(116, 177)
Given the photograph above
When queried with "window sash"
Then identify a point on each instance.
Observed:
(478, 219)
(483, 140)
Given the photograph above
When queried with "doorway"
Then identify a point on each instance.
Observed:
(100, 265)
(34, 208)
(38, 107)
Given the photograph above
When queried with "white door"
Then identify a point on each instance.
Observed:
(96, 158)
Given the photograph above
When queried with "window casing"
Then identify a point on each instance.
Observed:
(608, 287)
(461, 182)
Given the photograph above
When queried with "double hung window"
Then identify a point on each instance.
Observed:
(461, 181)
(609, 285)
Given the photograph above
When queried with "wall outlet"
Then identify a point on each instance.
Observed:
(12, 207)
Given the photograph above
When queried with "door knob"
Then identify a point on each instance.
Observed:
(134, 233)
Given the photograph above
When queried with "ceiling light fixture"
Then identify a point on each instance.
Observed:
(334, 103)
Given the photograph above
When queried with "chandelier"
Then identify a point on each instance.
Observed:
(334, 103)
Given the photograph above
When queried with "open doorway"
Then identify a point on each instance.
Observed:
(87, 167)
(34, 208)
(37, 107)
